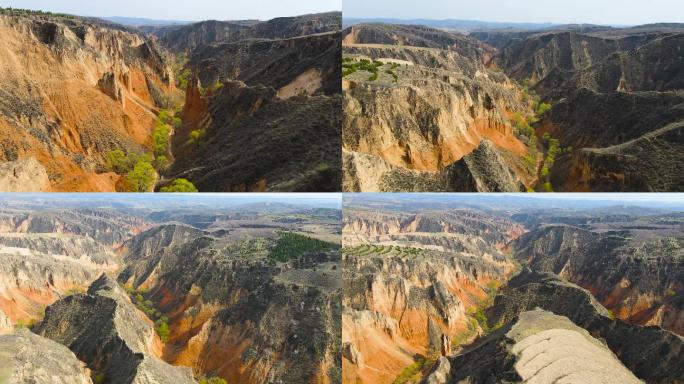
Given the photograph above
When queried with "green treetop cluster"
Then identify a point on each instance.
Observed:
(140, 169)
(292, 245)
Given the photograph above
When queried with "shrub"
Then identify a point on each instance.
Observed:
(214, 87)
(117, 161)
(161, 163)
(141, 178)
(121, 163)
(164, 116)
(180, 185)
(183, 78)
(160, 136)
(177, 122)
(195, 137)
(548, 187)
(162, 329)
(542, 108)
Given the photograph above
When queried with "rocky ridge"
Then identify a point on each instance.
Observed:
(104, 329)
(627, 81)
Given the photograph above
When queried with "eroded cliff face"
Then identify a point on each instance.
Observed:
(616, 102)
(426, 109)
(306, 64)
(411, 286)
(638, 147)
(249, 136)
(74, 90)
(105, 330)
(48, 255)
(186, 38)
(617, 267)
(234, 314)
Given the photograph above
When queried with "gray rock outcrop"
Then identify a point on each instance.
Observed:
(541, 348)
(29, 358)
(104, 329)
(24, 175)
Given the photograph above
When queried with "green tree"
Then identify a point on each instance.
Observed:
(180, 185)
(162, 329)
(141, 178)
(160, 136)
(195, 137)
(165, 116)
(117, 161)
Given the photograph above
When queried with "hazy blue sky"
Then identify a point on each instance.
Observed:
(565, 11)
(182, 9)
(625, 197)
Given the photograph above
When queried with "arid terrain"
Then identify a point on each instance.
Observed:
(560, 108)
(485, 289)
(133, 291)
(90, 105)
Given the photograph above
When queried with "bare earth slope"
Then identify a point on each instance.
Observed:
(72, 90)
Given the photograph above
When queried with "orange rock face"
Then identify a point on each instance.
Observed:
(62, 112)
(403, 305)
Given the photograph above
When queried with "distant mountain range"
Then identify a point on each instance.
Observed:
(451, 24)
(137, 21)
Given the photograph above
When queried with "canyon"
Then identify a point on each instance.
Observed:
(562, 108)
(134, 292)
(447, 289)
(90, 105)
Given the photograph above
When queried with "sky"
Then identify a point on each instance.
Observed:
(193, 10)
(611, 12)
(618, 197)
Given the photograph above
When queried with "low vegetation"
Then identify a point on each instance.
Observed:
(384, 250)
(140, 169)
(292, 245)
(525, 131)
(195, 137)
(161, 322)
(415, 372)
(350, 66)
(162, 130)
(213, 88)
(20, 11)
(180, 185)
(180, 72)
(141, 178)
(477, 313)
